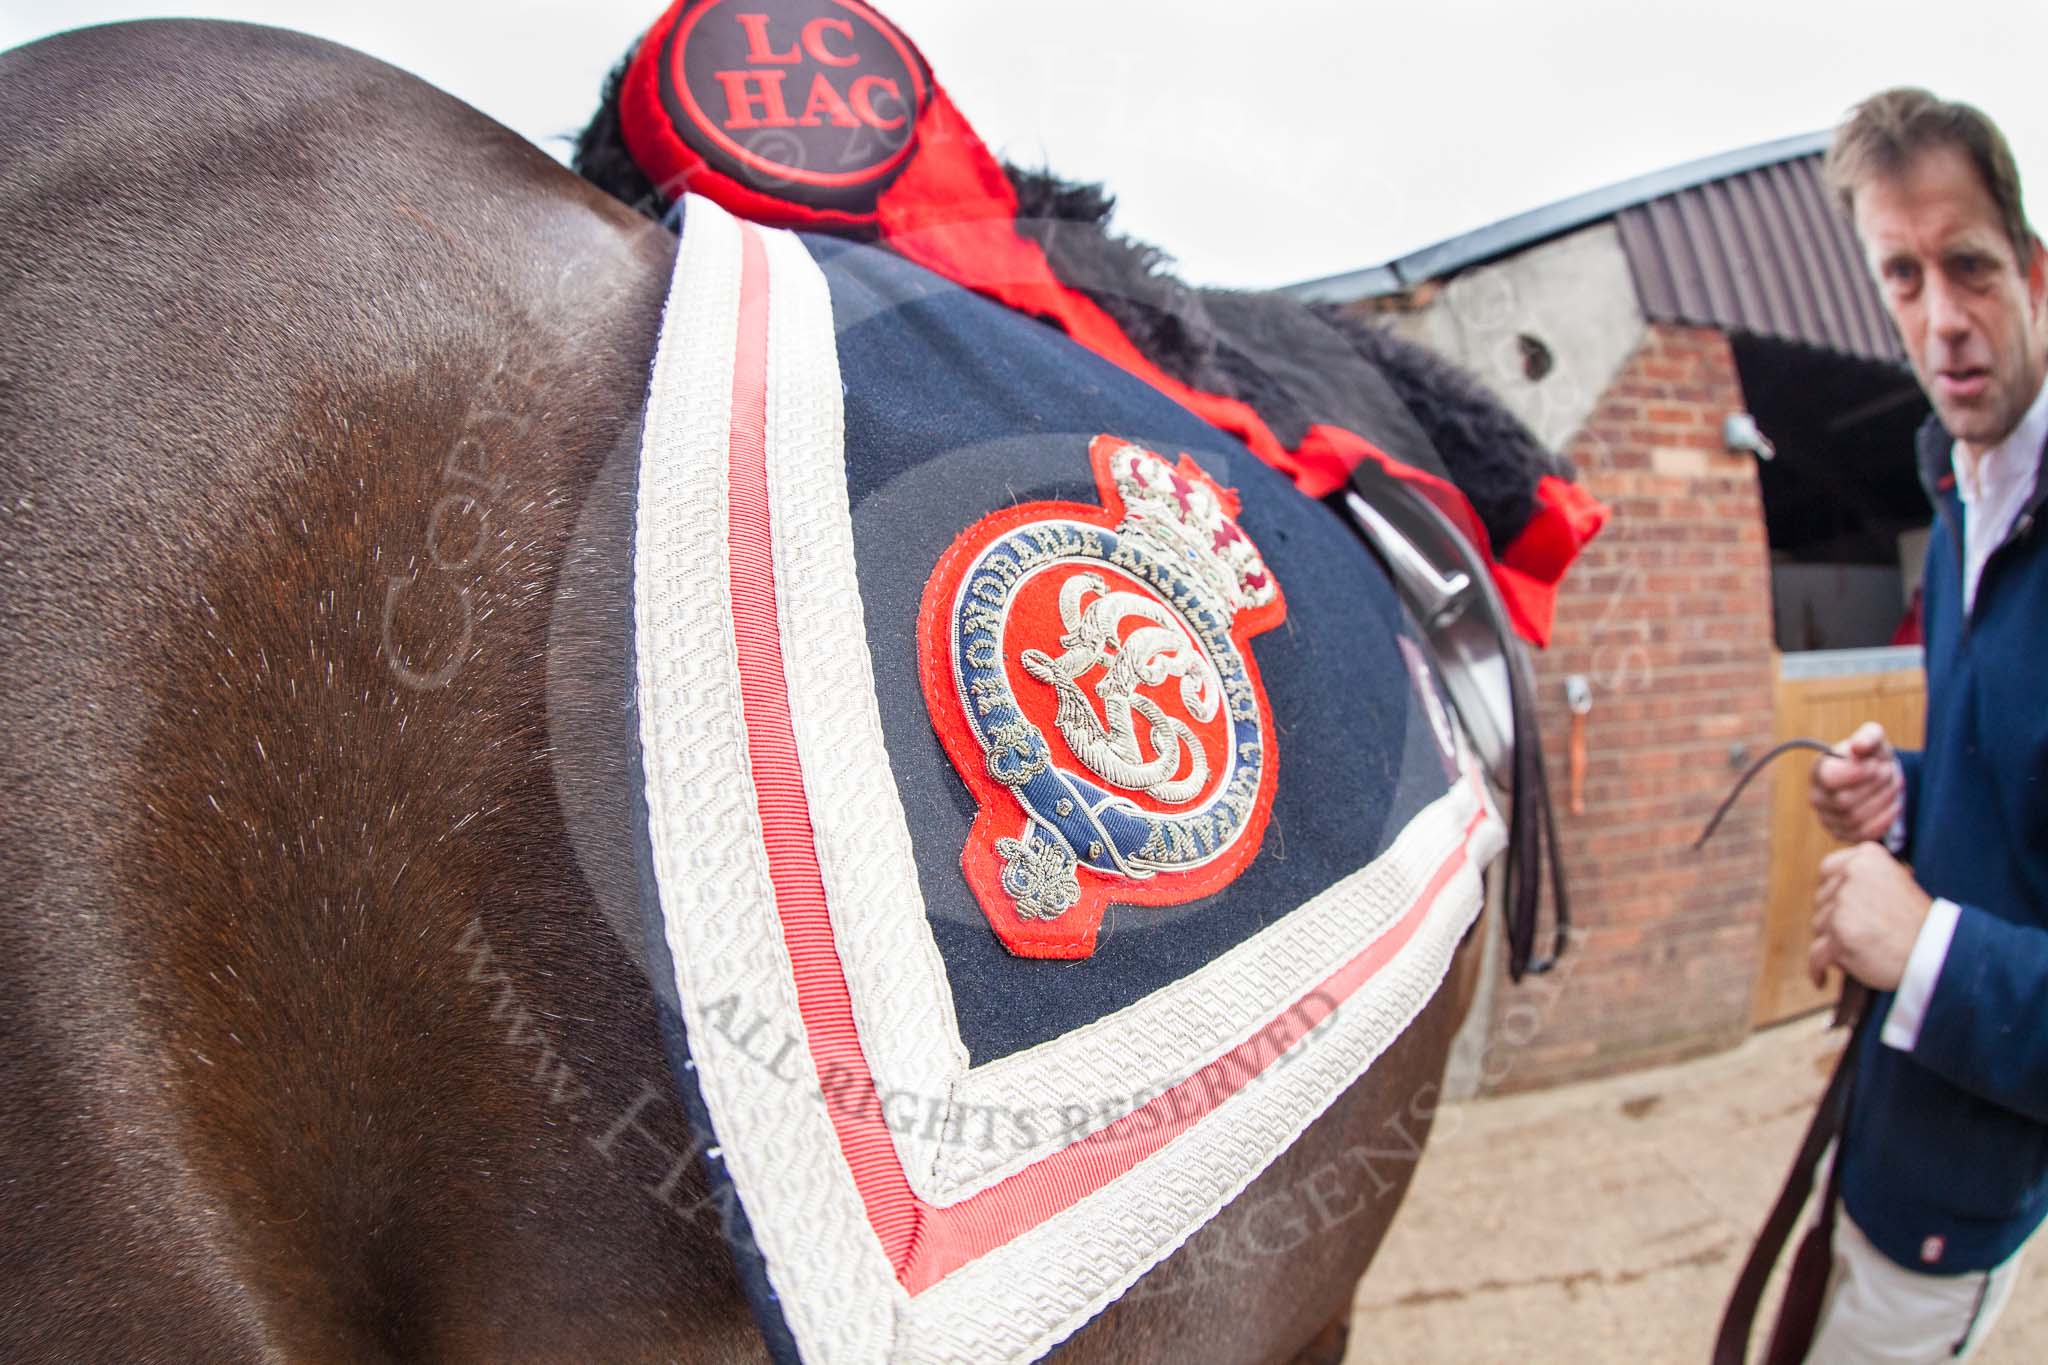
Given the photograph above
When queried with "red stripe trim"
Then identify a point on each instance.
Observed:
(778, 773)
(925, 1243)
(955, 1235)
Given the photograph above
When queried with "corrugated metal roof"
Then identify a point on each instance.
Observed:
(1745, 240)
(1762, 252)
(1510, 235)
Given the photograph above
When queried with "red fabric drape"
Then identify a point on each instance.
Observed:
(951, 209)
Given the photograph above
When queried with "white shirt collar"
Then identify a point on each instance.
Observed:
(2007, 469)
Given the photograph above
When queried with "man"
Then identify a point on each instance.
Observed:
(1944, 1162)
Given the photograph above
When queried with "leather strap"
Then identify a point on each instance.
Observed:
(1728, 801)
(1532, 828)
(1799, 1313)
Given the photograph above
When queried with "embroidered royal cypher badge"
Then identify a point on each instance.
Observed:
(1089, 672)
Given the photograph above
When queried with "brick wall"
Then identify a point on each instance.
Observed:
(1668, 615)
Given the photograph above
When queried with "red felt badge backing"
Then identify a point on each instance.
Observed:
(1073, 933)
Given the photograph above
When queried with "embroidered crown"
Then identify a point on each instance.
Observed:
(1185, 518)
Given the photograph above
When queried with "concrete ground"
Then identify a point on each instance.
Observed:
(1605, 1222)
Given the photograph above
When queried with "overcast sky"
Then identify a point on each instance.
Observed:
(1267, 141)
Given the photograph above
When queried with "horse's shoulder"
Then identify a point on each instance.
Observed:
(315, 390)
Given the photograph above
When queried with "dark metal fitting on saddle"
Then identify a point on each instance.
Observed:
(1432, 571)
(1446, 584)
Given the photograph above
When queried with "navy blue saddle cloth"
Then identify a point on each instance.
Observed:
(1050, 810)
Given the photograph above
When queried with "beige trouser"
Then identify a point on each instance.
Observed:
(1878, 1311)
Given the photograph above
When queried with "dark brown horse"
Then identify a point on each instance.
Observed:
(318, 391)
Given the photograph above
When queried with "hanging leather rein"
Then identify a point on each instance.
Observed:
(1806, 1285)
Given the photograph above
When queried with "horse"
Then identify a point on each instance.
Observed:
(319, 399)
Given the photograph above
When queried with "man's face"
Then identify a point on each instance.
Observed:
(1969, 311)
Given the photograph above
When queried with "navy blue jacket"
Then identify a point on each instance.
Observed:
(1946, 1158)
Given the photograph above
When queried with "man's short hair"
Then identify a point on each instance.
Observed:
(1885, 132)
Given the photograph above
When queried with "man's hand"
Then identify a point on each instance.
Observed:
(1866, 916)
(1859, 796)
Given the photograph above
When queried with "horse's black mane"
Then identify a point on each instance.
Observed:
(1295, 363)
(601, 156)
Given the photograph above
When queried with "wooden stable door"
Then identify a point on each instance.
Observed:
(1826, 708)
